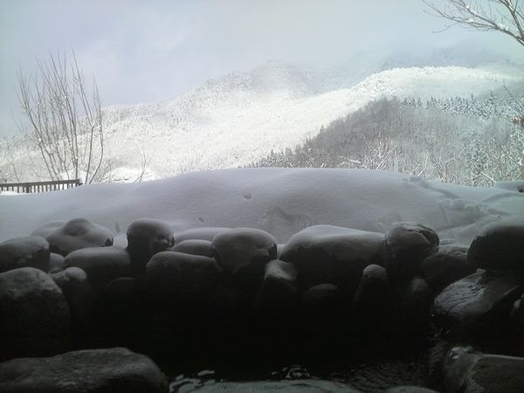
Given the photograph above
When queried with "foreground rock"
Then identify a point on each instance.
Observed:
(325, 254)
(477, 306)
(145, 238)
(465, 370)
(76, 234)
(31, 251)
(499, 247)
(408, 244)
(115, 370)
(34, 315)
(298, 386)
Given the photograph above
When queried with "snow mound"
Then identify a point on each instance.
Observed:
(279, 201)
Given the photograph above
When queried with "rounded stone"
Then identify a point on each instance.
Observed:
(77, 234)
(31, 251)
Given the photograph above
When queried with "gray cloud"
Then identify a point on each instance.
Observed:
(143, 51)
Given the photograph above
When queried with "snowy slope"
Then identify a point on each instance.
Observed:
(239, 118)
(235, 121)
(280, 201)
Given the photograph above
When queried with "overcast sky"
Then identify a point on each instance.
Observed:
(149, 50)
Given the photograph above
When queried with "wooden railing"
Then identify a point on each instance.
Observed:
(40, 186)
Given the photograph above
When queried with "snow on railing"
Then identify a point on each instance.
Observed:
(42, 186)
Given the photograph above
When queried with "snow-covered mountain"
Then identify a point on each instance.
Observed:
(239, 118)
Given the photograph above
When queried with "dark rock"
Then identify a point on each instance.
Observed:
(145, 238)
(409, 389)
(81, 300)
(465, 370)
(330, 254)
(408, 244)
(76, 234)
(34, 315)
(499, 247)
(243, 253)
(412, 307)
(205, 233)
(195, 247)
(324, 311)
(32, 251)
(278, 299)
(295, 386)
(445, 266)
(178, 279)
(477, 306)
(101, 264)
(56, 263)
(115, 370)
(370, 306)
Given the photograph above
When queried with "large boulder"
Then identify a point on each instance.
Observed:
(370, 305)
(145, 238)
(499, 247)
(32, 251)
(176, 279)
(195, 247)
(115, 370)
(278, 299)
(295, 386)
(465, 370)
(101, 264)
(76, 234)
(408, 244)
(243, 253)
(34, 314)
(445, 266)
(204, 233)
(331, 254)
(81, 300)
(477, 306)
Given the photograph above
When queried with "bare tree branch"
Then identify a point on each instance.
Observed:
(503, 16)
(63, 118)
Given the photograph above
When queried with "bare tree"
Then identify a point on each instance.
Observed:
(63, 118)
(504, 16)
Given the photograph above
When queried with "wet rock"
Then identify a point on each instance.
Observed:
(101, 264)
(32, 251)
(499, 247)
(76, 234)
(195, 247)
(34, 315)
(409, 389)
(324, 311)
(465, 370)
(243, 253)
(477, 306)
(81, 300)
(370, 306)
(408, 244)
(278, 299)
(145, 238)
(335, 255)
(177, 279)
(445, 266)
(115, 370)
(298, 386)
(412, 309)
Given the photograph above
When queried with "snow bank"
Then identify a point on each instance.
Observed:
(279, 201)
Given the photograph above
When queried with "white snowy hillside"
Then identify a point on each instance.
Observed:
(280, 201)
(238, 119)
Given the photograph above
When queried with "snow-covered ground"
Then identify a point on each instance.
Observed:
(280, 201)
